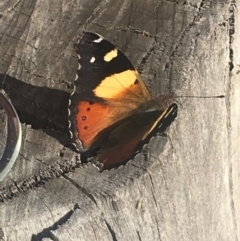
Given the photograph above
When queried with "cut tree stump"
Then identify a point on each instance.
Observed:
(183, 186)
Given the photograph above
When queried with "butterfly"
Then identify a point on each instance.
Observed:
(111, 110)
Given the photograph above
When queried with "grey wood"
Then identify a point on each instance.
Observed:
(181, 187)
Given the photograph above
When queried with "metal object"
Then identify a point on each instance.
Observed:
(14, 136)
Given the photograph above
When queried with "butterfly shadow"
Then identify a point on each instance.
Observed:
(41, 107)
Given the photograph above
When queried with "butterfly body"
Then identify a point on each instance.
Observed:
(111, 109)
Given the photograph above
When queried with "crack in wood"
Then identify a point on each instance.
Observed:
(231, 32)
(96, 12)
(231, 20)
(178, 42)
(158, 229)
(47, 232)
(145, 58)
(134, 30)
(195, 19)
(139, 236)
(55, 170)
(111, 231)
(14, 5)
(82, 189)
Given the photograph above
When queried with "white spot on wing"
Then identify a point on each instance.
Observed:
(79, 66)
(74, 90)
(76, 77)
(92, 60)
(69, 125)
(98, 165)
(75, 146)
(98, 40)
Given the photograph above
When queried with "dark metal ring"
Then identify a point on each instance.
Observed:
(14, 136)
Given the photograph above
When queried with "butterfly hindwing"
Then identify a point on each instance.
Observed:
(129, 136)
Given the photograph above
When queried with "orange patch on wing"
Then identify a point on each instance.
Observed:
(90, 120)
(93, 118)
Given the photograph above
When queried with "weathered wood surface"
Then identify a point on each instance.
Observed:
(181, 187)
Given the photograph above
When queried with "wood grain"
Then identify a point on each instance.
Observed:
(181, 187)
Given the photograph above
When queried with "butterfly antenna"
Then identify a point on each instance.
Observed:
(199, 97)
